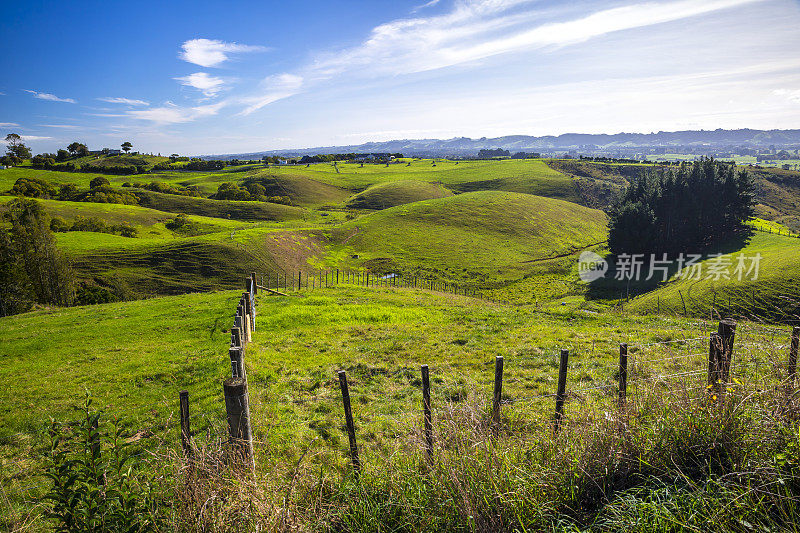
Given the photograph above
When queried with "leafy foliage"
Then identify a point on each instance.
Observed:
(34, 268)
(97, 484)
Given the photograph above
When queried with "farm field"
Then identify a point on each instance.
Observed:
(134, 357)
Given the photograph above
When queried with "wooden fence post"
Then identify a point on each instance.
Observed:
(186, 433)
(237, 362)
(793, 354)
(348, 417)
(236, 336)
(426, 409)
(562, 386)
(237, 407)
(714, 361)
(253, 281)
(623, 373)
(727, 331)
(498, 390)
(337, 276)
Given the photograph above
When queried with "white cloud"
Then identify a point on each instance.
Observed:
(275, 88)
(172, 114)
(211, 52)
(61, 126)
(8, 124)
(476, 30)
(793, 95)
(202, 81)
(49, 97)
(125, 101)
(425, 5)
(28, 138)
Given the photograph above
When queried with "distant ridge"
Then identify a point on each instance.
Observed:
(585, 142)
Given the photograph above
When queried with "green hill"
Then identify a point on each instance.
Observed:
(398, 192)
(488, 234)
(174, 203)
(774, 296)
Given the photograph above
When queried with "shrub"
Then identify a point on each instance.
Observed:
(34, 188)
(96, 483)
(99, 181)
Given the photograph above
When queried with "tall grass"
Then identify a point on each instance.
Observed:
(730, 463)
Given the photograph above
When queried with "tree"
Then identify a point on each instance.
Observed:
(99, 181)
(33, 268)
(681, 209)
(17, 151)
(78, 149)
(126, 146)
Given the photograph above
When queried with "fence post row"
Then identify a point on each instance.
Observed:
(237, 408)
(562, 386)
(348, 417)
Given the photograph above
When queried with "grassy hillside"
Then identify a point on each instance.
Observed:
(398, 192)
(496, 235)
(217, 208)
(774, 296)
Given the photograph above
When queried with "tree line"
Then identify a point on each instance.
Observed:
(681, 209)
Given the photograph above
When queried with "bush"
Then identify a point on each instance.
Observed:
(34, 188)
(97, 485)
(99, 181)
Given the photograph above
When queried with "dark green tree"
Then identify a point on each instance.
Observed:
(16, 149)
(126, 146)
(37, 269)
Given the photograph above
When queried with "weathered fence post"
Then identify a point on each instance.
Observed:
(727, 331)
(236, 336)
(186, 433)
(714, 361)
(348, 417)
(299, 279)
(237, 407)
(253, 281)
(793, 354)
(498, 390)
(337, 276)
(623, 373)
(236, 354)
(562, 386)
(426, 409)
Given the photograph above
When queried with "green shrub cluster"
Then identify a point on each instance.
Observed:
(93, 224)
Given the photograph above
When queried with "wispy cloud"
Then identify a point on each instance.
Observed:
(476, 30)
(274, 88)
(49, 97)
(173, 114)
(125, 101)
(211, 52)
(8, 124)
(61, 126)
(209, 85)
(425, 5)
(29, 138)
(793, 95)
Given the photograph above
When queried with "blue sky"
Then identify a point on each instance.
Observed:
(218, 77)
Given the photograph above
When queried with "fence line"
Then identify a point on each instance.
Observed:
(631, 373)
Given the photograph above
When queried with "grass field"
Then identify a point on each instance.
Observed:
(772, 296)
(398, 192)
(488, 234)
(135, 356)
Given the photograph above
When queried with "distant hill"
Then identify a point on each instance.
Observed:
(712, 139)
